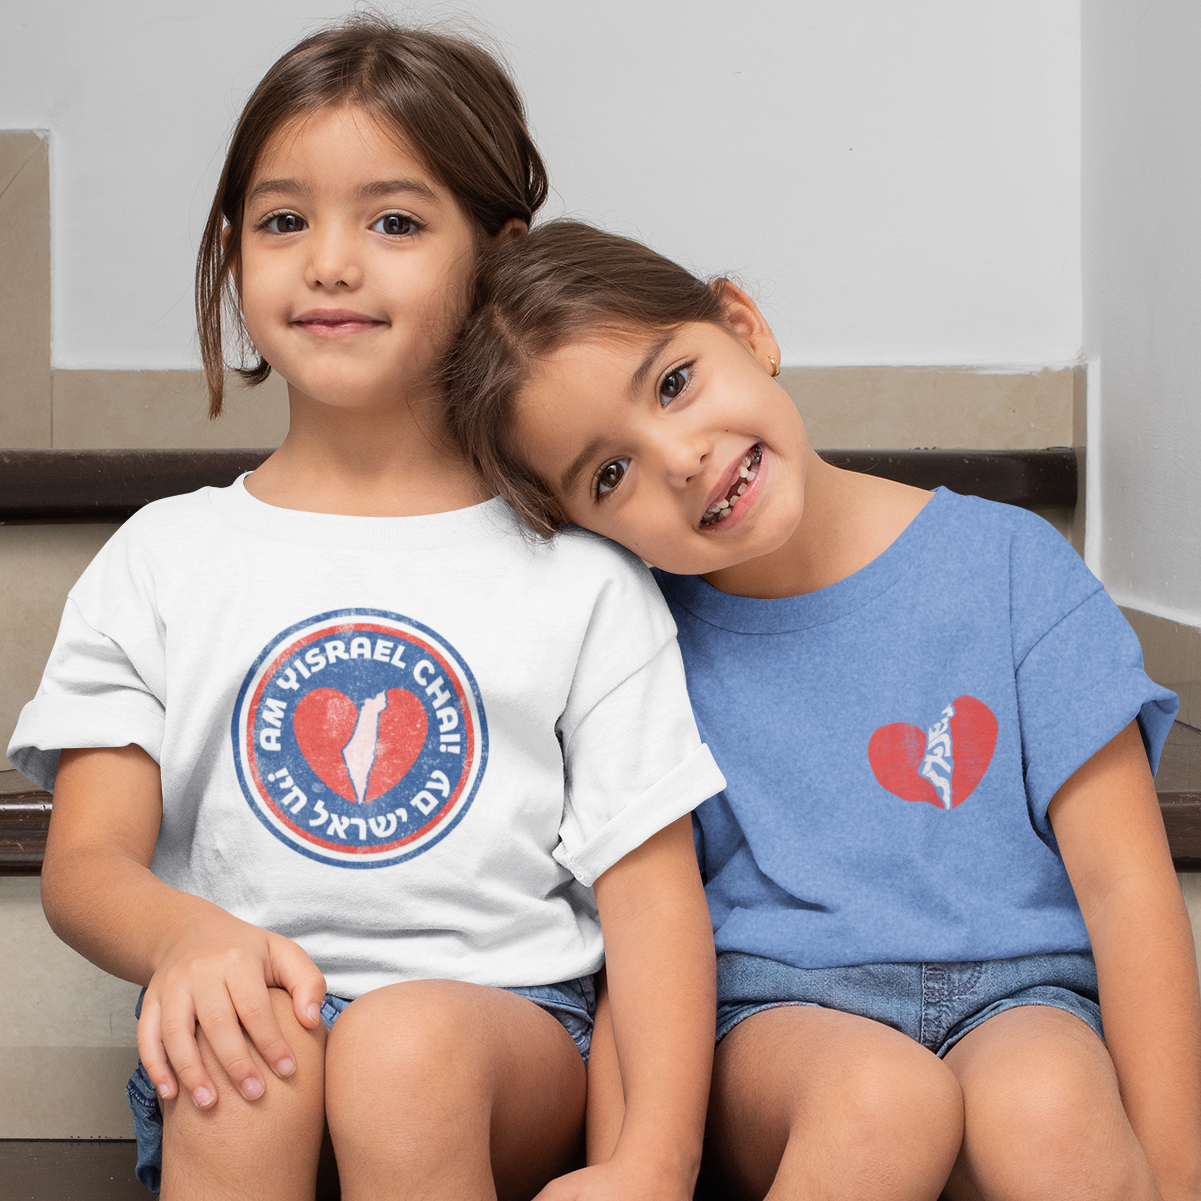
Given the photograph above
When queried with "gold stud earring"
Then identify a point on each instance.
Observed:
(775, 367)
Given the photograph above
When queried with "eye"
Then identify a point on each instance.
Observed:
(395, 225)
(284, 223)
(610, 475)
(674, 383)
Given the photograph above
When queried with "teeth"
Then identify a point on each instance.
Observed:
(747, 471)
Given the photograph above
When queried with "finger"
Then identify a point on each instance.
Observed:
(257, 1016)
(296, 972)
(152, 1053)
(177, 1025)
(219, 1020)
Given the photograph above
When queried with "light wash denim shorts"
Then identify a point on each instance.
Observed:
(572, 1002)
(936, 1004)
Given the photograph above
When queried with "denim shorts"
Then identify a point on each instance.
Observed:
(572, 1002)
(935, 1004)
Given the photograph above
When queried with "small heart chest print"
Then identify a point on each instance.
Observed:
(941, 765)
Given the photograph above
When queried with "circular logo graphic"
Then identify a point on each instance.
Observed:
(359, 738)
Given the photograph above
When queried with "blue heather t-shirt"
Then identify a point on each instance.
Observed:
(892, 743)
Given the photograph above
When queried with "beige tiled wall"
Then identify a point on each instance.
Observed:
(899, 408)
(96, 410)
(24, 288)
(67, 1041)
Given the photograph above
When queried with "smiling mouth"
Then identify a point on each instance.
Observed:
(335, 321)
(717, 513)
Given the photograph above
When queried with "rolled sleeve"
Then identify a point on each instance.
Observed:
(91, 695)
(679, 792)
(634, 763)
(1079, 686)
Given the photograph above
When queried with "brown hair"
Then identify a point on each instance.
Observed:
(531, 296)
(454, 104)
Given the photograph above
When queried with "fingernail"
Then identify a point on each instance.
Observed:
(202, 1097)
(285, 1067)
(251, 1088)
(164, 1090)
(314, 1012)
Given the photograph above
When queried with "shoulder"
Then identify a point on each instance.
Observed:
(1017, 550)
(621, 586)
(163, 521)
(164, 536)
(1004, 520)
(987, 527)
(587, 561)
(597, 553)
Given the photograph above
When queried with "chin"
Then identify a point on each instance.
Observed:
(678, 563)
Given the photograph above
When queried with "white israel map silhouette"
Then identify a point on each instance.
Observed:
(359, 753)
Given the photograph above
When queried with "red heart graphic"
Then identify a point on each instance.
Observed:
(325, 722)
(897, 752)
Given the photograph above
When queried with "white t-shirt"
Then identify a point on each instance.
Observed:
(410, 744)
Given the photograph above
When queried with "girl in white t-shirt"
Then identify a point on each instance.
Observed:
(339, 740)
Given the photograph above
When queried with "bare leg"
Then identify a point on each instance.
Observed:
(1043, 1115)
(438, 1089)
(606, 1094)
(813, 1103)
(265, 1149)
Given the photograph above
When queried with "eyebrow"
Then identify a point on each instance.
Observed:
(379, 187)
(388, 187)
(639, 377)
(572, 475)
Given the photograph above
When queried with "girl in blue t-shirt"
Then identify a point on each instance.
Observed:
(939, 861)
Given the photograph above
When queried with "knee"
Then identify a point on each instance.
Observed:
(408, 1031)
(897, 1111)
(1052, 1101)
(1054, 1126)
(901, 1091)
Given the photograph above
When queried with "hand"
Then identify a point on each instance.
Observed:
(615, 1180)
(217, 977)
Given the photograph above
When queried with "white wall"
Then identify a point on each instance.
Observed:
(901, 180)
(1142, 284)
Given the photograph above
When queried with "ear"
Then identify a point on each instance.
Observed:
(511, 231)
(747, 323)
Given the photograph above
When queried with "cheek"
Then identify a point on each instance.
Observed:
(258, 295)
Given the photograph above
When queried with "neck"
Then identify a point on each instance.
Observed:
(390, 461)
(848, 520)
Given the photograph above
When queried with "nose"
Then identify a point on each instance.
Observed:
(334, 263)
(683, 452)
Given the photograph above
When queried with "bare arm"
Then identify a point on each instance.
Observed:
(1107, 822)
(660, 966)
(606, 1095)
(201, 964)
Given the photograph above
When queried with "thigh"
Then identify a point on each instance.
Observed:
(439, 1088)
(264, 1149)
(812, 1102)
(1043, 1113)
